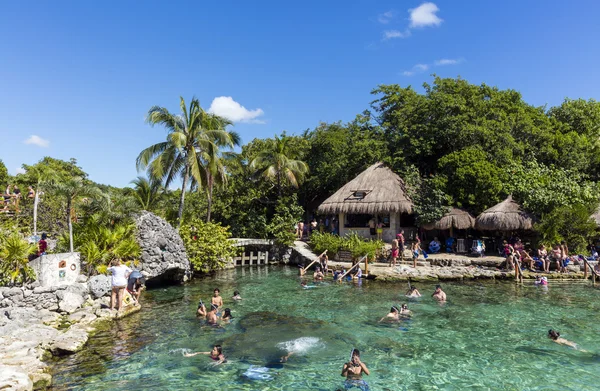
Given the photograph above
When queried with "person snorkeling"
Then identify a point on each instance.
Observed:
(201, 311)
(211, 316)
(353, 371)
(216, 354)
(413, 292)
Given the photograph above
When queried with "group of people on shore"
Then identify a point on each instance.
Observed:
(12, 195)
(558, 255)
(304, 230)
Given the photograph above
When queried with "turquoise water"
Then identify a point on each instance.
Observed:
(489, 336)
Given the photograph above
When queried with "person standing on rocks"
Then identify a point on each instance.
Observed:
(120, 273)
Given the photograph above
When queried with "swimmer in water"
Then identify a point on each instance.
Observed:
(217, 299)
(301, 270)
(353, 371)
(211, 316)
(318, 275)
(226, 317)
(236, 296)
(413, 292)
(439, 294)
(298, 346)
(393, 315)
(201, 311)
(405, 311)
(555, 337)
(216, 354)
(303, 285)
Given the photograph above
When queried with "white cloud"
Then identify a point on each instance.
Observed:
(37, 140)
(417, 68)
(408, 73)
(385, 17)
(20, 170)
(424, 15)
(225, 106)
(448, 61)
(390, 34)
(421, 67)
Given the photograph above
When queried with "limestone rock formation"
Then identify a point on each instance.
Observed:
(99, 285)
(163, 252)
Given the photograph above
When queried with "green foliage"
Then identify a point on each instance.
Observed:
(572, 224)
(207, 244)
(148, 194)
(352, 242)
(14, 252)
(287, 214)
(100, 244)
(3, 174)
(427, 194)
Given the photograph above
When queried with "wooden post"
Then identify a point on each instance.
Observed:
(251, 255)
(266, 257)
(367, 265)
(243, 257)
(349, 270)
(317, 259)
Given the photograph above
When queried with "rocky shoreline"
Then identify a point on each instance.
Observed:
(39, 322)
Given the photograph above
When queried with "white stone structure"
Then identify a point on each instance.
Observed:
(57, 269)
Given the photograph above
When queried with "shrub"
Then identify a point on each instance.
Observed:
(287, 213)
(326, 241)
(14, 252)
(207, 244)
(571, 224)
(352, 242)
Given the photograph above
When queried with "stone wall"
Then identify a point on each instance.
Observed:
(56, 269)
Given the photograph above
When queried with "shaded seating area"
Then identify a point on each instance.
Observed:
(455, 219)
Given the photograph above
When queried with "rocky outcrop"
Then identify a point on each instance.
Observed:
(163, 252)
(99, 286)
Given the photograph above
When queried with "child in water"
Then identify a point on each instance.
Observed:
(555, 337)
(216, 354)
(217, 299)
(226, 317)
(236, 296)
(201, 311)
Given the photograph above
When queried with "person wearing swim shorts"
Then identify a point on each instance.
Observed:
(216, 354)
(353, 371)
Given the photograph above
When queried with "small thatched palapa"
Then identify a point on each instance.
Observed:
(457, 218)
(376, 190)
(506, 216)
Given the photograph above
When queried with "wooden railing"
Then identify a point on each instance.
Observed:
(364, 258)
(261, 258)
(585, 271)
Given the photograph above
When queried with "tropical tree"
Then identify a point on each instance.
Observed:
(190, 134)
(14, 252)
(277, 161)
(70, 190)
(147, 193)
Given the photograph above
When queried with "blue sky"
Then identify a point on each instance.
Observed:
(80, 76)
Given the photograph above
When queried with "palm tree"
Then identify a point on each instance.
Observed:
(14, 252)
(276, 162)
(147, 193)
(70, 190)
(192, 133)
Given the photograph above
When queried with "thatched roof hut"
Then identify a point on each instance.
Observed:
(376, 190)
(456, 218)
(506, 216)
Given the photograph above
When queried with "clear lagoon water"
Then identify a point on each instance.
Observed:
(488, 336)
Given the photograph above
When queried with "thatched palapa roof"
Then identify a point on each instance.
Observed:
(457, 218)
(376, 190)
(506, 216)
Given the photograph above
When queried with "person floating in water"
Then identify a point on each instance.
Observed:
(555, 337)
(413, 292)
(404, 311)
(236, 296)
(201, 311)
(393, 315)
(217, 299)
(439, 294)
(216, 354)
(541, 281)
(303, 285)
(211, 316)
(353, 371)
(298, 346)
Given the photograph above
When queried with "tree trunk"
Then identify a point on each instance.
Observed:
(209, 197)
(182, 199)
(70, 224)
(36, 200)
